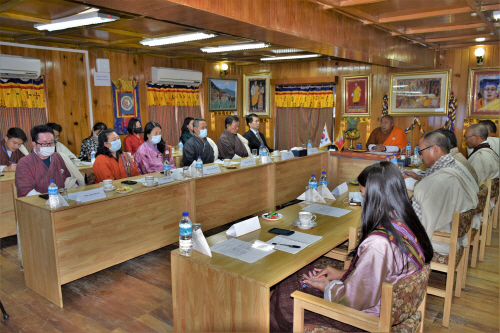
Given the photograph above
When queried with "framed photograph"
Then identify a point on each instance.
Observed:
(419, 93)
(483, 94)
(256, 92)
(222, 94)
(356, 95)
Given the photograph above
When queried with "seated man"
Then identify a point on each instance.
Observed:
(110, 161)
(254, 137)
(35, 171)
(493, 140)
(12, 149)
(199, 145)
(387, 137)
(60, 148)
(445, 189)
(483, 159)
(231, 143)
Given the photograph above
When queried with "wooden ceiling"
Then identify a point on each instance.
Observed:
(441, 24)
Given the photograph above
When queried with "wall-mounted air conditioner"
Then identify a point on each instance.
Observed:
(177, 76)
(19, 67)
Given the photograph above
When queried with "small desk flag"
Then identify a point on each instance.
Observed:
(325, 138)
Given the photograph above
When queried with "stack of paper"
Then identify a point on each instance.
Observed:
(298, 238)
(240, 250)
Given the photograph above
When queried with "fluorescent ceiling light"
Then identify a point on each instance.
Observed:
(480, 39)
(304, 56)
(279, 51)
(176, 39)
(234, 47)
(85, 18)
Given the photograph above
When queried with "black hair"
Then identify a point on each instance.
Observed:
(40, 129)
(437, 138)
(197, 121)
(450, 135)
(131, 125)
(480, 129)
(184, 127)
(386, 199)
(103, 138)
(229, 120)
(148, 129)
(249, 118)
(492, 128)
(55, 127)
(16, 132)
(99, 127)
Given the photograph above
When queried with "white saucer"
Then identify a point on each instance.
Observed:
(154, 184)
(111, 189)
(122, 192)
(297, 224)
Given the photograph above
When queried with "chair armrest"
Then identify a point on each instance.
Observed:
(440, 236)
(336, 311)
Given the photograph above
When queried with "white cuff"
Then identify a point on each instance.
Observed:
(1, 167)
(410, 183)
(328, 289)
(32, 192)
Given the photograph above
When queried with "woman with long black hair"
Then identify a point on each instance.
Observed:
(187, 130)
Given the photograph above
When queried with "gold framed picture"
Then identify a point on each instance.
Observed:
(256, 94)
(356, 95)
(483, 98)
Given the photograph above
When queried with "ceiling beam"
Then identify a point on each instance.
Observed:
(24, 18)
(422, 15)
(490, 7)
(9, 4)
(346, 3)
(443, 39)
(22, 31)
(464, 45)
(445, 28)
(124, 32)
(476, 8)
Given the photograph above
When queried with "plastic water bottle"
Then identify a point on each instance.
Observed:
(394, 159)
(309, 144)
(408, 149)
(323, 179)
(185, 235)
(53, 195)
(199, 167)
(166, 167)
(92, 156)
(263, 154)
(415, 152)
(180, 147)
(313, 182)
(387, 158)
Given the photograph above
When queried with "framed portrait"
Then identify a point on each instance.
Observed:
(222, 94)
(256, 92)
(356, 95)
(419, 93)
(483, 94)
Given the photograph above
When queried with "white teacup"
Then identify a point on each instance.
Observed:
(227, 161)
(276, 153)
(306, 218)
(107, 184)
(149, 180)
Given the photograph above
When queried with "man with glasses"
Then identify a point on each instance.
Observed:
(35, 171)
(483, 159)
(443, 190)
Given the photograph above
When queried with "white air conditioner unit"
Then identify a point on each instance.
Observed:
(177, 76)
(19, 67)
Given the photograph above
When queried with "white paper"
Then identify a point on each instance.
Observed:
(247, 162)
(209, 170)
(85, 163)
(61, 200)
(244, 227)
(326, 210)
(410, 183)
(379, 153)
(219, 162)
(341, 189)
(240, 250)
(286, 156)
(191, 172)
(325, 192)
(91, 195)
(200, 243)
(143, 180)
(102, 79)
(298, 238)
(312, 151)
(236, 156)
(176, 173)
(316, 197)
(165, 180)
(260, 245)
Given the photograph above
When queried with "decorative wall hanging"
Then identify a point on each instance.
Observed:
(256, 94)
(312, 97)
(356, 95)
(126, 104)
(222, 94)
(416, 122)
(452, 107)
(385, 105)
(483, 96)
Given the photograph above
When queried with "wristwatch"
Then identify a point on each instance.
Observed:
(385, 148)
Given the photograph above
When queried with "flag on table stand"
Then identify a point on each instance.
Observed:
(325, 138)
(340, 142)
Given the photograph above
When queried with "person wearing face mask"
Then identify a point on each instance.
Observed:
(35, 171)
(91, 142)
(134, 139)
(12, 149)
(111, 162)
(60, 148)
(151, 154)
(199, 145)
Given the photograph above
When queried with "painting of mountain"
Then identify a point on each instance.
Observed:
(222, 94)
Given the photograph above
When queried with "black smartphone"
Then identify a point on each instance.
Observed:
(129, 182)
(283, 232)
(44, 196)
(1, 175)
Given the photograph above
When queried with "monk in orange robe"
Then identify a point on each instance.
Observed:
(387, 137)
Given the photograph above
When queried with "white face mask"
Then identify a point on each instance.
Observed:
(155, 139)
(203, 133)
(115, 145)
(46, 151)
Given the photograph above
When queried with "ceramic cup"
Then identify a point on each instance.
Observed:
(276, 153)
(227, 161)
(306, 218)
(149, 180)
(107, 184)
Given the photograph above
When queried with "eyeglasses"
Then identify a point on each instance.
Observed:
(470, 136)
(421, 150)
(49, 144)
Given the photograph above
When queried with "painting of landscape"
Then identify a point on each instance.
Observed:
(223, 94)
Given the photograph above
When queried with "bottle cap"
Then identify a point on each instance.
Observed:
(51, 181)
(185, 214)
(313, 175)
(394, 154)
(323, 173)
(199, 156)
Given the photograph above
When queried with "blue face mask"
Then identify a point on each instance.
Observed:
(116, 145)
(156, 139)
(203, 133)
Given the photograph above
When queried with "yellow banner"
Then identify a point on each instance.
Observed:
(16, 93)
(173, 95)
(313, 97)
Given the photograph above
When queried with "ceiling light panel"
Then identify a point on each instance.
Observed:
(304, 56)
(87, 18)
(234, 47)
(176, 39)
(280, 51)
(480, 39)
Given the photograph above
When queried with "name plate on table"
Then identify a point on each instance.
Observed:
(164, 180)
(311, 151)
(286, 156)
(210, 170)
(247, 162)
(91, 195)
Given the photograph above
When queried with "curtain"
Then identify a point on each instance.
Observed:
(186, 111)
(22, 104)
(165, 116)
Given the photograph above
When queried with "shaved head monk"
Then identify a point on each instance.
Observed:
(483, 159)
(387, 137)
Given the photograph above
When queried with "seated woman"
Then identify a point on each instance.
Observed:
(152, 153)
(187, 130)
(111, 162)
(388, 251)
(134, 138)
(92, 142)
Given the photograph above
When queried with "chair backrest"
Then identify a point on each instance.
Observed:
(481, 196)
(465, 222)
(495, 186)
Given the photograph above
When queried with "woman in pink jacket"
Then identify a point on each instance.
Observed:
(151, 155)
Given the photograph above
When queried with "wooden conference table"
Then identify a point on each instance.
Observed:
(65, 244)
(222, 294)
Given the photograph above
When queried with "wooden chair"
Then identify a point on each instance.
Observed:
(494, 214)
(341, 252)
(455, 261)
(395, 313)
(479, 235)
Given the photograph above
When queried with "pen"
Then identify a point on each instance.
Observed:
(294, 246)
